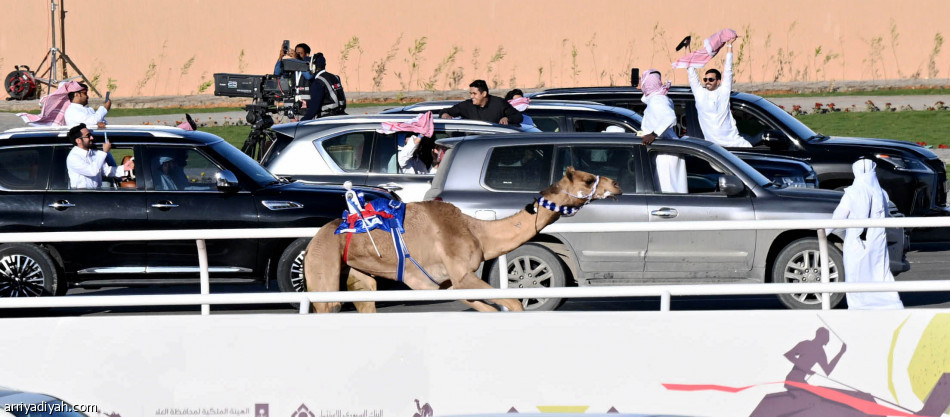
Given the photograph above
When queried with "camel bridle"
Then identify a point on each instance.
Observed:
(564, 210)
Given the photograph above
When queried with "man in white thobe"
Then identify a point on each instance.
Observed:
(86, 165)
(866, 259)
(78, 111)
(712, 104)
(659, 119)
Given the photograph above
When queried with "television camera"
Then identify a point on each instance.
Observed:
(271, 94)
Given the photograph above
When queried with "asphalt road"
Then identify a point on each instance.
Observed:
(929, 261)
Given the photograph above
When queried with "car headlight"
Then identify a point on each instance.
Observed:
(901, 163)
(790, 181)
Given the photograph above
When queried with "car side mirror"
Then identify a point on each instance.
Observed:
(226, 181)
(775, 139)
(731, 185)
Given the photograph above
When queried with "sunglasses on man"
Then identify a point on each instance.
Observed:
(709, 80)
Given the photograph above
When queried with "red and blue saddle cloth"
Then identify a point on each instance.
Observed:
(381, 213)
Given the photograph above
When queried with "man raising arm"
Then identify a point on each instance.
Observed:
(712, 105)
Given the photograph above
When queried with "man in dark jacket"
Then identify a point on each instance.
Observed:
(326, 91)
(484, 107)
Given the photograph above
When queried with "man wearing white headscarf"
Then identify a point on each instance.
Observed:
(866, 258)
(659, 119)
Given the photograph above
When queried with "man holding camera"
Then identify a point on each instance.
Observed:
(302, 79)
(326, 91)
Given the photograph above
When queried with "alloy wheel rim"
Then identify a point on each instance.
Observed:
(805, 267)
(21, 276)
(296, 273)
(529, 272)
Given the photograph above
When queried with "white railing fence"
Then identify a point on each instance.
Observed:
(205, 299)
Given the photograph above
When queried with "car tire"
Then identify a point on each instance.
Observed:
(290, 276)
(29, 271)
(546, 271)
(799, 262)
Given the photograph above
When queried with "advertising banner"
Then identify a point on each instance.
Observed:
(720, 363)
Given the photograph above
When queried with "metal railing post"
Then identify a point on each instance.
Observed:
(665, 301)
(825, 270)
(203, 274)
(305, 306)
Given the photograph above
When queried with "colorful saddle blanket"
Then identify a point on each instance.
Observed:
(381, 213)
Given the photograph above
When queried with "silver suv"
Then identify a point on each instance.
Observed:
(495, 176)
(350, 148)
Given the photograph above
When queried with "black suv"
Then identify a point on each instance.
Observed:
(913, 176)
(212, 185)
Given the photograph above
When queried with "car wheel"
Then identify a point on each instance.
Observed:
(28, 271)
(290, 277)
(798, 262)
(533, 266)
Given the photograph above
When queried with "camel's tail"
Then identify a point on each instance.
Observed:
(322, 265)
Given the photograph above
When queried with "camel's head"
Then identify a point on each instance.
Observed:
(577, 188)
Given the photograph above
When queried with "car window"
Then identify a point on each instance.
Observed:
(384, 157)
(116, 156)
(519, 168)
(749, 125)
(180, 169)
(702, 175)
(614, 162)
(25, 168)
(351, 151)
(595, 125)
(243, 163)
(547, 123)
(385, 152)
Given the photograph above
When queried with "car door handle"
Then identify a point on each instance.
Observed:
(391, 186)
(164, 205)
(665, 212)
(62, 205)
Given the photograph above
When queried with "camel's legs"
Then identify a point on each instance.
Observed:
(470, 281)
(322, 265)
(358, 281)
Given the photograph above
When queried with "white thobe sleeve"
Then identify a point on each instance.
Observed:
(727, 73)
(694, 83)
(406, 151)
(841, 212)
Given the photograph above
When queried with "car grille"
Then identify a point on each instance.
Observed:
(940, 199)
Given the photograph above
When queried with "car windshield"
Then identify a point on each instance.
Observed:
(244, 163)
(796, 127)
(753, 174)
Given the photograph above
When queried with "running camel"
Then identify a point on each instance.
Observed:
(448, 244)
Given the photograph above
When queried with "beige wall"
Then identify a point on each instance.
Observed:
(121, 39)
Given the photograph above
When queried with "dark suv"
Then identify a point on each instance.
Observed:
(211, 185)
(495, 176)
(913, 176)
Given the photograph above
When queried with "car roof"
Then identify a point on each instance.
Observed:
(675, 90)
(316, 124)
(562, 138)
(556, 106)
(57, 134)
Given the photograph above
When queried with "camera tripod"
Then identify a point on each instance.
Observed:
(260, 138)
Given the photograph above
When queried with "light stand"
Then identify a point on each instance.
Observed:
(59, 54)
